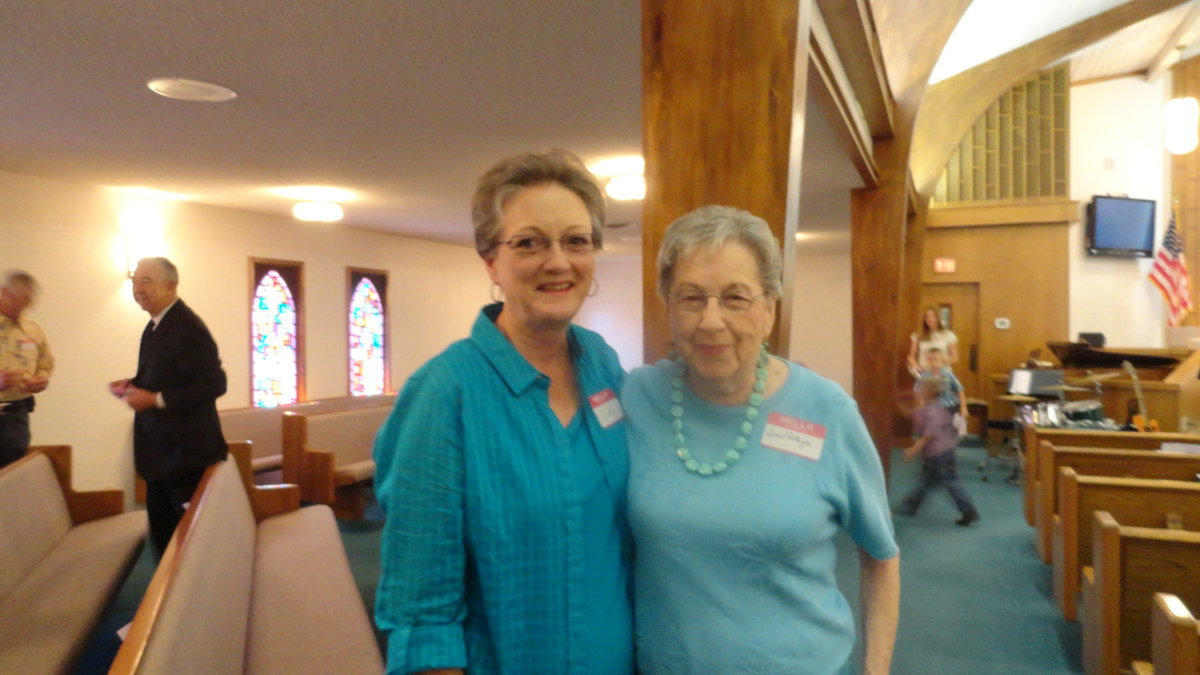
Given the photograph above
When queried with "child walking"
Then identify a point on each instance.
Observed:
(937, 439)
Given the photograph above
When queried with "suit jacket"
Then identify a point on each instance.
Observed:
(179, 359)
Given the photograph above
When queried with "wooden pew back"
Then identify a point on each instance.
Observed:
(1174, 637)
(1134, 502)
(1084, 438)
(264, 426)
(1100, 462)
(1131, 564)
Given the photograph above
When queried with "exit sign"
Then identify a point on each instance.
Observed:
(943, 265)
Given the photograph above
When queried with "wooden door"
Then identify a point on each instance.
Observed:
(958, 304)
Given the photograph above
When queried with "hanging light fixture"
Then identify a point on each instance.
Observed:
(1181, 125)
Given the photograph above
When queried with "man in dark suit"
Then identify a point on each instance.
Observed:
(176, 431)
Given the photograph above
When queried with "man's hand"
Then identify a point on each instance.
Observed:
(140, 399)
(9, 378)
(118, 387)
(35, 385)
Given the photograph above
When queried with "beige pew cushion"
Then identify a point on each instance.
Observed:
(306, 613)
(202, 624)
(48, 617)
(34, 518)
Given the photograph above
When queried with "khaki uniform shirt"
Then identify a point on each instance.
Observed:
(23, 348)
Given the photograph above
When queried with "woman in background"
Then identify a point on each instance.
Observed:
(502, 469)
(933, 333)
(743, 468)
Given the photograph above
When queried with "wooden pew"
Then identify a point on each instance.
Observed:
(263, 428)
(1135, 502)
(1084, 438)
(328, 454)
(1100, 462)
(1131, 564)
(1174, 639)
(64, 554)
(250, 583)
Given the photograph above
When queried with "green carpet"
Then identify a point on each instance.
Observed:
(974, 600)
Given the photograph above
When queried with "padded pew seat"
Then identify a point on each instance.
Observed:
(249, 587)
(57, 575)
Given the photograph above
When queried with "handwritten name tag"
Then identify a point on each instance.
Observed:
(794, 435)
(606, 408)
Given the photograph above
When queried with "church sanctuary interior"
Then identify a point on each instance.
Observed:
(956, 154)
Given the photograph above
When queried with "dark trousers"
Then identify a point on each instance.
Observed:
(165, 499)
(14, 435)
(939, 471)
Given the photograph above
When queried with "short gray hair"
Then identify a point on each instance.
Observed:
(712, 227)
(513, 174)
(172, 272)
(19, 278)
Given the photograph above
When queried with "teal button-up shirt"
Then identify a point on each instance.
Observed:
(484, 544)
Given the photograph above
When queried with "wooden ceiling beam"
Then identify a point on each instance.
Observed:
(851, 29)
(1183, 36)
(839, 99)
(951, 106)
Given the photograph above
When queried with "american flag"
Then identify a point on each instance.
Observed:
(1170, 275)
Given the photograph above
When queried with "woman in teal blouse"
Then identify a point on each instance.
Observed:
(502, 469)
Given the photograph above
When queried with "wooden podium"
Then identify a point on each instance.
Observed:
(1171, 393)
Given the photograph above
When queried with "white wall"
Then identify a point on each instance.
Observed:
(68, 237)
(1116, 147)
(616, 310)
(822, 306)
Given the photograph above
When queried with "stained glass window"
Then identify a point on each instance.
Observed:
(274, 341)
(367, 328)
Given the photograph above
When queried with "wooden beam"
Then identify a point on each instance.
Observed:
(723, 99)
(852, 30)
(951, 106)
(1180, 39)
(1033, 213)
(838, 97)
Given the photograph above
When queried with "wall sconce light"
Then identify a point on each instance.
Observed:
(1181, 125)
(142, 225)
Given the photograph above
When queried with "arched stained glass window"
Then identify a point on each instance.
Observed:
(274, 343)
(367, 372)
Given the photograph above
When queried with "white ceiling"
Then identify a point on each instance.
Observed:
(404, 102)
(990, 28)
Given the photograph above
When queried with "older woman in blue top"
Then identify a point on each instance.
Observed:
(743, 468)
(502, 470)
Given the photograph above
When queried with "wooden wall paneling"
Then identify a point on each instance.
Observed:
(1006, 261)
(721, 96)
(1185, 184)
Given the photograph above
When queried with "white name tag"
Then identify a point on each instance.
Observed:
(26, 344)
(606, 407)
(794, 435)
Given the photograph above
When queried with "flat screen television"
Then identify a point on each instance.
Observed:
(1120, 226)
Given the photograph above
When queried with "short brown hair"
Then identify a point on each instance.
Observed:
(513, 174)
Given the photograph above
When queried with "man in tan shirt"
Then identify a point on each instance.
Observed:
(25, 364)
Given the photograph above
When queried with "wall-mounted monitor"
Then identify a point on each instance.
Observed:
(1120, 226)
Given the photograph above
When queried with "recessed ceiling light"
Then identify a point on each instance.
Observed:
(627, 187)
(320, 212)
(191, 90)
(314, 193)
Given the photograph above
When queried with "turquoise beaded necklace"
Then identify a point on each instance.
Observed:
(734, 454)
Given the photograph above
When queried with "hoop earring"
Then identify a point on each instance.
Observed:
(595, 289)
(494, 291)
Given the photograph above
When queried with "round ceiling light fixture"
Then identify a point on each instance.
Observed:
(318, 212)
(191, 90)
